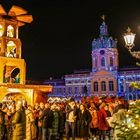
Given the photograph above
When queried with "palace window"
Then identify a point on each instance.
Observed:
(95, 86)
(10, 31)
(76, 89)
(88, 89)
(82, 89)
(130, 89)
(121, 88)
(111, 86)
(59, 90)
(111, 61)
(69, 82)
(95, 62)
(103, 61)
(70, 90)
(103, 86)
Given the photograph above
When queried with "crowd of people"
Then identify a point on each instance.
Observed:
(54, 121)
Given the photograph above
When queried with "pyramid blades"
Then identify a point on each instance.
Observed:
(21, 24)
(2, 11)
(17, 11)
(25, 18)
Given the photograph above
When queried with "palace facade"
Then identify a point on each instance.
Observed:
(105, 77)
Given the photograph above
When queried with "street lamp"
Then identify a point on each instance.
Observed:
(129, 38)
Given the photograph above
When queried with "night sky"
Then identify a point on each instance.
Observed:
(59, 39)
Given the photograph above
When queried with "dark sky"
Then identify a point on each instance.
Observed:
(59, 39)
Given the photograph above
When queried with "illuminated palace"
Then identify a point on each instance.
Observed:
(105, 78)
(12, 66)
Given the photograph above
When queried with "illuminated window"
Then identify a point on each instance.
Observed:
(76, 89)
(103, 86)
(88, 89)
(102, 61)
(121, 88)
(95, 86)
(10, 31)
(70, 90)
(69, 82)
(130, 97)
(95, 62)
(111, 86)
(82, 88)
(130, 89)
(1, 30)
(11, 49)
(111, 61)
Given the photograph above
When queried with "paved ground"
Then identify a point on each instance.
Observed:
(91, 139)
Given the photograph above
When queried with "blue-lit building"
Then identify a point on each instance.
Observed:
(105, 77)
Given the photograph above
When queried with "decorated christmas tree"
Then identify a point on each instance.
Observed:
(130, 128)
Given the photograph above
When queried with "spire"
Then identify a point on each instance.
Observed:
(104, 40)
(103, 27)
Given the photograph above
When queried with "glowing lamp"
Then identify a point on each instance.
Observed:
(129, 39)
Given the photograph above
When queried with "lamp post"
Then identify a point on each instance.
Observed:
(129, 38)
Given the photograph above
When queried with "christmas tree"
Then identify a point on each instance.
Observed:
(130, 128)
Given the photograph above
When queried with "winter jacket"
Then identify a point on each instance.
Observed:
(29, 122)
(19, 124)
(102, 122)
(45, 117)
(84, 121)
(94, 121)
(2, 124)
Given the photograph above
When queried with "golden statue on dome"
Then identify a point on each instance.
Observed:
(103, 17)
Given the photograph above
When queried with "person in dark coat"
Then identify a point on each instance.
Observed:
(78, 120)
(40, 120)
(84, 120)
(108, 114)
(19, 122)
(54, 133)
(44, 117)
(62, 120)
